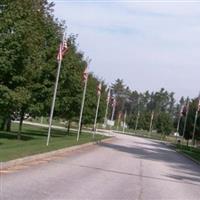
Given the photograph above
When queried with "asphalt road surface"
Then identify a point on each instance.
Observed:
(125, 168)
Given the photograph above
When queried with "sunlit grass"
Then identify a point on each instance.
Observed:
(33, 141)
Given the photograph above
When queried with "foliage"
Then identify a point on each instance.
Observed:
(164, 123)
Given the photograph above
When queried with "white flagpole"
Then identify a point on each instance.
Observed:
(151, 122)
(82, 106)
(96, 115)
(179, 121)
(195, 121)
(138, 115)
(124, 122)
(185, 123)
(107, 104)
(113, 110)
(54, 99)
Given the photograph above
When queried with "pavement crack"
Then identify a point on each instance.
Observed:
(141, 180)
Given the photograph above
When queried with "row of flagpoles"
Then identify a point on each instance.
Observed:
(184, 112)
(63, 49)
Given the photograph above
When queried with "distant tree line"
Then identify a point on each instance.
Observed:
(162, 103)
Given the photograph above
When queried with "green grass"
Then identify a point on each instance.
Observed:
(190, 151)
(33, 141)
(56, 122)
(153, 135)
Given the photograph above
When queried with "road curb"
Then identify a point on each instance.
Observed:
(187, 156)
(19, 161)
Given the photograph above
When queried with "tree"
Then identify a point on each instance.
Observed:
(91, 101)
(26, 47)
(164, 123)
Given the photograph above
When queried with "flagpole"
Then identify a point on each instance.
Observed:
(151, 122)
(178, 125)
(195, 123)
(185, 123)
(107, 104)
(113, 111)
(124, 122)
(82, 106)
(179, 121)
(96, 115)
(53, 101)
(138, 115)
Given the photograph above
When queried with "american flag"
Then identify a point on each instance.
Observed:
(62, 50)
(184, 109)
(99, 89)
(85, 74)
(182, 112)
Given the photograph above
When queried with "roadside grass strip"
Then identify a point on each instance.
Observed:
(33, 141)
(192, 152)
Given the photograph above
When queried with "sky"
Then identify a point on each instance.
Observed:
(148, 44)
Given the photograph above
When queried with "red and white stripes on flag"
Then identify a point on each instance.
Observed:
(63, 48)
(99, 89)
(184, 109)
(85, 74)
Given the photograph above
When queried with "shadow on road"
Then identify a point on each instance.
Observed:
(183, 178)
(157, 151)
(137, 175)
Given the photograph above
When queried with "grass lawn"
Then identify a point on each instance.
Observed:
(153, 135)
(33, 141)
(191, 151)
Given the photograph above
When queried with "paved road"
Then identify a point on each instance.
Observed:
(126, 168)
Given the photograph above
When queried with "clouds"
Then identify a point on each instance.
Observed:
(149, 45)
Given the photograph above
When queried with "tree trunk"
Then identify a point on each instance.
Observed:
(8, 124)
(20, 124)
(2, 127)
(81, 128)
(68, 126)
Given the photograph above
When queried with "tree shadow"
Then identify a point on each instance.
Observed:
(157, 151)
(39, 133)
(183, 178)
(28, 134)
(13, 136)
(154, 143)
